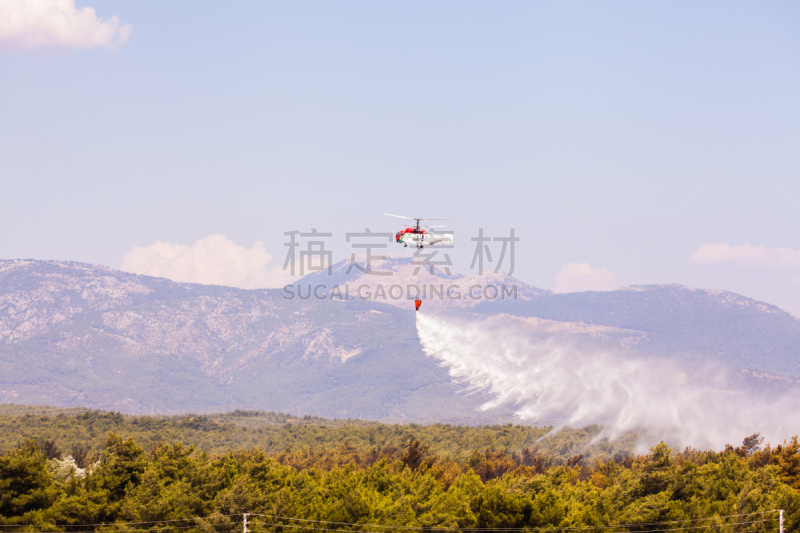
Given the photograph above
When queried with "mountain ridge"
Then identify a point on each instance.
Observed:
(78, 334)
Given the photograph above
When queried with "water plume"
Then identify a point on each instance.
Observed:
(574, 380)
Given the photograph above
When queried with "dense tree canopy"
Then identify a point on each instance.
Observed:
(81, 433)
(174, 486)
(93, 471)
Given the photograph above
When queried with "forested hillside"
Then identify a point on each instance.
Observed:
(84, 431)
(124, 486)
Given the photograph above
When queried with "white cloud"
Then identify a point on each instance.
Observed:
(579, 277)
(36, 24)
(214, 260)
(746, 255)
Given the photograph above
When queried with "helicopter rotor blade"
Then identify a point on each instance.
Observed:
(414, 218)
(406, 225)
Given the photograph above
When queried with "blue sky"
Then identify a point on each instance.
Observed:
(621, 136)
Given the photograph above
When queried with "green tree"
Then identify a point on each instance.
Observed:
(25, 483)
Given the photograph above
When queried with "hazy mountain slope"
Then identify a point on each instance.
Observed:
(408, 272)
(75, 334)
(681, 321)
(663, 320)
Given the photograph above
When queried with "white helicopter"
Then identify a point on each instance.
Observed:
(416, 236)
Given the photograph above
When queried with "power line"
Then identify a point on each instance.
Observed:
(230, 525)
(584, 528)
(457, 528)
(127, 523)
(255, 524)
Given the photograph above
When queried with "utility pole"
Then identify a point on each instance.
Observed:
(780, 521)
(244, 524)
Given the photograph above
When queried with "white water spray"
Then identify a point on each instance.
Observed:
(565, 381)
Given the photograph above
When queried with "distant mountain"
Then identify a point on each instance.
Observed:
(76, 334)
(663, 320)
(678, 321)
(439, 286)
